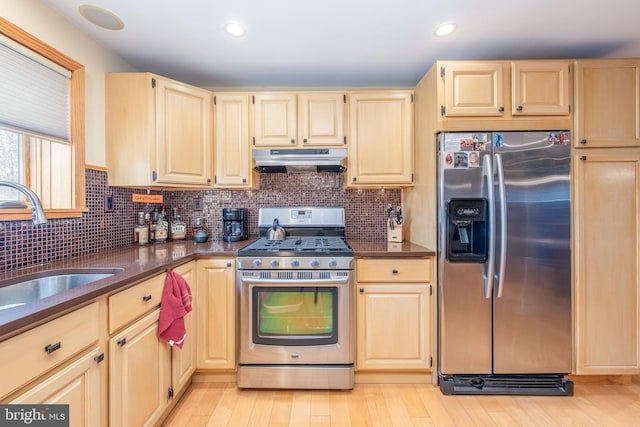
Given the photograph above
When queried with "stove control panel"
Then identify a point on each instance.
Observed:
(288, 263)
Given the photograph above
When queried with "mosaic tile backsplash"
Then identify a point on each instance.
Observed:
(23, 245)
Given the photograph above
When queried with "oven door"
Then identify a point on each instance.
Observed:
(296, 317)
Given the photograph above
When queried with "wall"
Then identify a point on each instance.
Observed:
(23, 245)
(47, 25)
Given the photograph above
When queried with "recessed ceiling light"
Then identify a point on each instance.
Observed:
(101, 17)
(446, 29)
(234, 29)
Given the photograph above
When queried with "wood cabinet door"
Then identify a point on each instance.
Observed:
(607, 103)
(183, 132)
(381, 138)
(393, 327)
(183, 360)
(274, 121)
(232, 148)
(472, 89)
(216, 314)
(321, 118)
(607, 197)
(139, 374)
(540, 87)
(76, 385)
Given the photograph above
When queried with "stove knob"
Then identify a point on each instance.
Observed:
(295, 263)
(257, 262)
(315, 263)
(333, 263)
(275, 263)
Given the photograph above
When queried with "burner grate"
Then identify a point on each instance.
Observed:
(299, 244)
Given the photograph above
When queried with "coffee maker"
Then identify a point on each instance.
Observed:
(234, 224)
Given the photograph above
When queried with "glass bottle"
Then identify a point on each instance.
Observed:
(153, 222)
(178, 227)
(141, 230)
(162, 228)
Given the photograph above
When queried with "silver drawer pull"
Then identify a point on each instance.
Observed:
(53, 347)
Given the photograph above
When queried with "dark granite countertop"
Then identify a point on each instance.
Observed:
(384, 249)
(139, 263)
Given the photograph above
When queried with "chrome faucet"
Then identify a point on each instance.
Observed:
(37, 213)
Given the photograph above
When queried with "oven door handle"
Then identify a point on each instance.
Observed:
(310, 283)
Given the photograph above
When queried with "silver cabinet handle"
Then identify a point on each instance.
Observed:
(487, 172)
(502, 197)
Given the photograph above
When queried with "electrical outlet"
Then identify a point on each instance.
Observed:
(197, 204)
(108, 203)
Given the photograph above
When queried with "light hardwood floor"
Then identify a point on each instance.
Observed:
(403, 405)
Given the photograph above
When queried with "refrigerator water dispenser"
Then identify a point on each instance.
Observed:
(467, 230)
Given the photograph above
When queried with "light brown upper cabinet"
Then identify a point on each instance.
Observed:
(380, 139)
(295, 120)
(500, 95)
(472, 89)
(540, 88)
(607, 103)
(321, 118)
(158, 132)
(232, 151)
(480, 88)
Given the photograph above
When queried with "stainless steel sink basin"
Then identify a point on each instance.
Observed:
(44, 284)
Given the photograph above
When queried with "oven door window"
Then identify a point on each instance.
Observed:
(295, 316)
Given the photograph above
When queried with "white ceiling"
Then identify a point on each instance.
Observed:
(351, 43)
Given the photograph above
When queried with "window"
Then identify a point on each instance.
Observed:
(44, 165)
(41, 147)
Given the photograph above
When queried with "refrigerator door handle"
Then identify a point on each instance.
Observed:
(503, 224)
(487, 172)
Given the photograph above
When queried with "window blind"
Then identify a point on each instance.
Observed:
(34, 92)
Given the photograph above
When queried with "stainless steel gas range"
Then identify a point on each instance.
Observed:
(295, 302)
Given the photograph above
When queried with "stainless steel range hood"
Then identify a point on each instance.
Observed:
(300, 160)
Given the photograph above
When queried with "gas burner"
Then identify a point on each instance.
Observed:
(299, 244)
(315, 239)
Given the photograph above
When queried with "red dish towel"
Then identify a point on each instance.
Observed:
(175, 304)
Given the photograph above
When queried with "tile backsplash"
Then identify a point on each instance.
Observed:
(23, 245)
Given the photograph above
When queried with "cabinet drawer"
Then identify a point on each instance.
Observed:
(393, 270)
(128, 305)
(32, 353)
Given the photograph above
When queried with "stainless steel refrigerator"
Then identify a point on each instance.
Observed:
(504, 263)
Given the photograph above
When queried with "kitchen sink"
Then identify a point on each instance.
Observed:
(30, 288)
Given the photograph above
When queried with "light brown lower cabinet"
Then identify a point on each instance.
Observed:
(76, 385)
(139, 374)
(607, 256)
(216, 314)
(145, 373)
(58, 362)
(394, 311)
